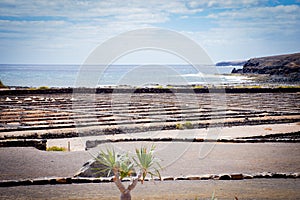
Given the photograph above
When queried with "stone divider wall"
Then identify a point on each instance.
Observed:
(134, 129)
(79, 180)
(39, 144)
(93, 143)
(150, 90)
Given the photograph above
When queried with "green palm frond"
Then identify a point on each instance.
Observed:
(144, 161)
(126, 168)
(147, 162)
(110, 159)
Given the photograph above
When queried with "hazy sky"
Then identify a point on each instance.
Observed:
(66, 31)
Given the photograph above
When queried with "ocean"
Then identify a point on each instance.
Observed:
(66, 75)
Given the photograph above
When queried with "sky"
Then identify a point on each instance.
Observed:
(67, 31)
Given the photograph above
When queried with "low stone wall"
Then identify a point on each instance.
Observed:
(77, 180)
(39, 144)
(150, 90)
(283, 138)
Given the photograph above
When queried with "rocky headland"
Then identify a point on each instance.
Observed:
(231, 63)
(280, 68)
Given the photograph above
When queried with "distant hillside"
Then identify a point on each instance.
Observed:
(231, 63)
(281, 67)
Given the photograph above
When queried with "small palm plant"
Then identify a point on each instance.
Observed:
(121, 166)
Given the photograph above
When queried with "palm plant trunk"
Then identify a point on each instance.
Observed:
(125, 196)
(125, 193)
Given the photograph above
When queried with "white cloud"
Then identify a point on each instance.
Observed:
(93, 21)
(40, 15)
(78, 26)
(184, 17)
(79, 9)
(224, 4)
(261, 12)
(261, 20)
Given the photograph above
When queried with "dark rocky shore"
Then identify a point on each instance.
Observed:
(281, 68)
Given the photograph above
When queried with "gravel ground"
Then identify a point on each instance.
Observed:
(181, 159)
(177, 158)
(21, 162)
(187, 190)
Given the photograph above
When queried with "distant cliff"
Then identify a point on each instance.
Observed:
(282, 68)
(231, 63)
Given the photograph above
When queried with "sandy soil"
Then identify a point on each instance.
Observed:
(19, 163)
(181, 190)
(177, 158)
